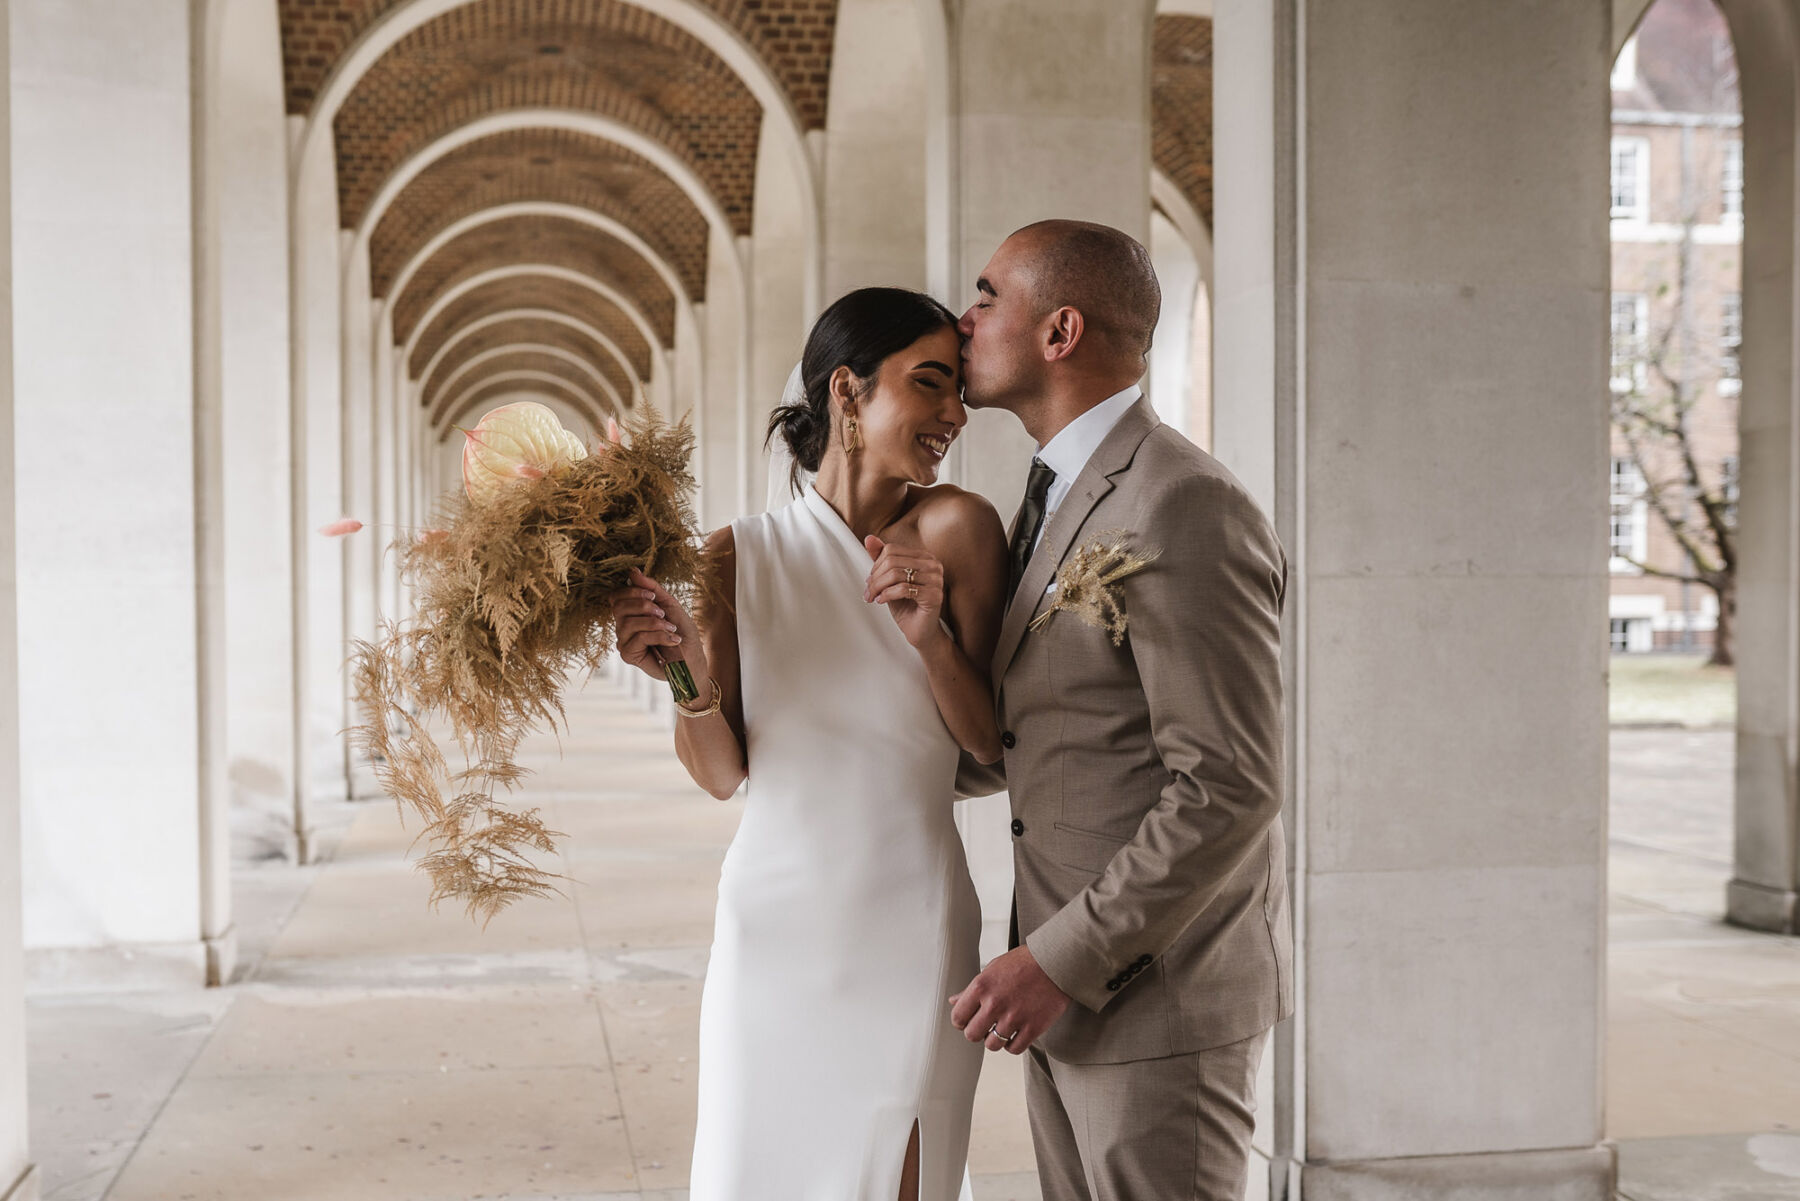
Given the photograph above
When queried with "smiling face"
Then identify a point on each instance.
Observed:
(908, 420)
(1002, 358)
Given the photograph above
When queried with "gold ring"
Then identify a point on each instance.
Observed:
(912, 591)
(910, 573)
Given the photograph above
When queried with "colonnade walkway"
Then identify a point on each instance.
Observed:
(370, 1049)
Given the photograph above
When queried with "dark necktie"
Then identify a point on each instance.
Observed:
(1028, 522)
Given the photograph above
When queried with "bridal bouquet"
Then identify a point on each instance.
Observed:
(514, 590)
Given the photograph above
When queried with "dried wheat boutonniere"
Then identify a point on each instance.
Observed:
(1086, 583)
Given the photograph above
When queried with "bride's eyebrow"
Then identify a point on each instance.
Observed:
(934, 363)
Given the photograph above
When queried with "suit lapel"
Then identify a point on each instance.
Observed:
(1111, 457)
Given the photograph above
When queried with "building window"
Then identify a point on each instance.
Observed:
(1630, 314)
(1624, 72)
(1731, 343)
(1630, 179)
(1732, 185)
(1629, 537)
(1621, 634)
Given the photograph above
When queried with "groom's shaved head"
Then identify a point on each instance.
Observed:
(1102, 272)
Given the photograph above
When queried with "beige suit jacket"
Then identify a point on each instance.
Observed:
(1150, 869)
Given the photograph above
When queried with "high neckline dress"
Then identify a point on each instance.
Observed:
(846, 916)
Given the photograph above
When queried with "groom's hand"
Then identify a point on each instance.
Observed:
(1012, 994)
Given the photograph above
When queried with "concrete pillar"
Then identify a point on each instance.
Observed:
(875, 149)
(1766, 878)
(319, 563)
(1172, 350)
(19, 1177)
(1446, 681)
(777, 311)
(242, 346)
(722, 318)
(104, 434)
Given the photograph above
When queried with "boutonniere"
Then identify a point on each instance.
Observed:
(1086, 583)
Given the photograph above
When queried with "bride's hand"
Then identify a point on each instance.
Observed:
(648, 620)
(915, 602)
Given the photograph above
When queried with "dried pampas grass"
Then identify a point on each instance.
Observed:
(513, 594)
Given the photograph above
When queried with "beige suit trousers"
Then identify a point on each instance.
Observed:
(1170, 1129)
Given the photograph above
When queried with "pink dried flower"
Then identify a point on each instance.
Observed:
(340, 527)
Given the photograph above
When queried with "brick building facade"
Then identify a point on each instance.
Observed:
(1677, 177)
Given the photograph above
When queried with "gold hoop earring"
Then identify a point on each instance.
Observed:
(852, 436)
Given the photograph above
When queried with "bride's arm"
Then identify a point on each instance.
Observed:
(966, 545)
(710, 747)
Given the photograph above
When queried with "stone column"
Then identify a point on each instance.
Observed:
(319, 563)
(104, 443)
(1423, 237)
(722, 318)
(1764, 893)
(777, 316)
(1172, 351)
(19, 1177)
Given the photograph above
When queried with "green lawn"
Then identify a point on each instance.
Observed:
(1672, 689)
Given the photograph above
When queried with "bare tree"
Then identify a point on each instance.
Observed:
(1695, 501)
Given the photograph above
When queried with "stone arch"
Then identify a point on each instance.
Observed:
(499, 356)
(576, 217)
(508, 293)
(355, 41)
(541, 244)
(485, 392)
(539, 326)
(599, 56)
(656, 356)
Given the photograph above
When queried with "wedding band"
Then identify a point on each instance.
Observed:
(1005, 1038)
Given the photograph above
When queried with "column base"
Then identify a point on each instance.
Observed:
(122, 967)
(221, 957)
(26, 1187)
(1758, 907)
(1577, 1174)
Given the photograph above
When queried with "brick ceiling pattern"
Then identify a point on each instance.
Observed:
(552, 165)
(793, 36)
(1181, 107)
(523, 360)
(538, 240)
(601, 56)
(535, 292)
(521, 331)
(506, 391)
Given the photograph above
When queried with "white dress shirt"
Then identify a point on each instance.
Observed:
(1068, 452)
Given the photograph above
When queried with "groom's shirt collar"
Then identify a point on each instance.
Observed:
(1069, 451)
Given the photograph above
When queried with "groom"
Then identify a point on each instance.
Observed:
(1151, 945)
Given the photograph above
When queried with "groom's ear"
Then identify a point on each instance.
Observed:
(1063, 330)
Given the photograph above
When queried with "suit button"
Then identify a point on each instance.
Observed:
(1112, 986)
(1008, 741)
(1018, 827)
(1143, 961)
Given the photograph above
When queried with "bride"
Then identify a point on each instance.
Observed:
(842, 676)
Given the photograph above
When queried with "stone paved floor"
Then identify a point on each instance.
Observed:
(371, 1049)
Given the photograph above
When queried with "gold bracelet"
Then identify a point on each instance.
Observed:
(717, 697)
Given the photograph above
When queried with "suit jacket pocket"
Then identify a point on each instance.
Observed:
(1085, 850)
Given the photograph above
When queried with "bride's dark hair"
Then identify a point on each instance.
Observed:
(858, 331)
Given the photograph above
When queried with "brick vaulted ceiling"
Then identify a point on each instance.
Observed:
(512, 361)
(1181, 107)
(492, 394)
(522, 331)
(793, 36)
(535, 240)
(554, 165)
(600, 56)
(535, 292)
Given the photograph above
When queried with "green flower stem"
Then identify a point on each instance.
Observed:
(681, 680)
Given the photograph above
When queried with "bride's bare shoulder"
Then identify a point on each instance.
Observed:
(956, 522)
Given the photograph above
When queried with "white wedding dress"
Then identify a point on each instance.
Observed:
(846, 914)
